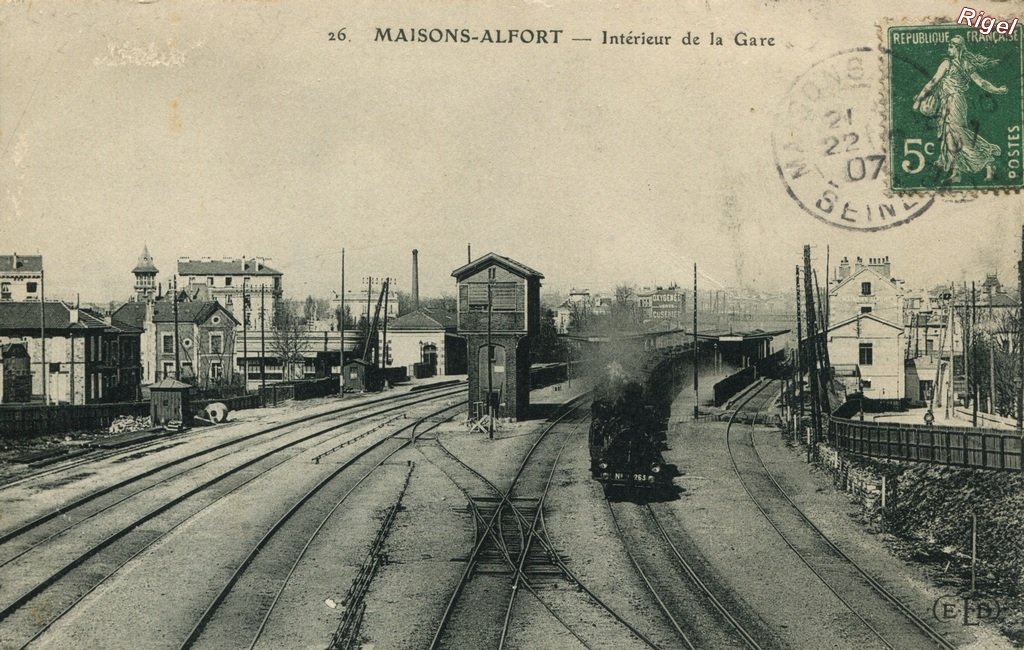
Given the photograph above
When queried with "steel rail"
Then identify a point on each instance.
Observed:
(259, 631)
(473, 557)
(874, 583)
(650, 587)
(109, 540)
(79, 502)
(747, 637)
(103, 454)
(552, 552)
(785, 539)
(279, 524)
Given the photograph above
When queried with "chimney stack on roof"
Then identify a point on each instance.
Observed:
(415, 279)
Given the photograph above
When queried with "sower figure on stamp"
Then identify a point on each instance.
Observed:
(961, 148)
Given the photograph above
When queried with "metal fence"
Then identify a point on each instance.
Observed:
(33, 420)
(960, 446)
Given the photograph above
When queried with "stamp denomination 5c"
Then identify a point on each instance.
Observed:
(955, 108)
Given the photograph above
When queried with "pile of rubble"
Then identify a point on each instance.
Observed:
(129, 424)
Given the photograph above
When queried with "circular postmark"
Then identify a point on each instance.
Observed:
(830, 152)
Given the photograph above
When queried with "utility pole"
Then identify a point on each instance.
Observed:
(798, 382)
(369, 299)
(384, 331)
(44, 370)
(696, 354)
(991, 377)
(245, 332)
(490, 356)
(812, 334)
(972, 371)
(263, 343)
(177, 344)
(952, 347)
(341, 329)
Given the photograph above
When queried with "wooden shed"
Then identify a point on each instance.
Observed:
(362, 377)
(169, 402)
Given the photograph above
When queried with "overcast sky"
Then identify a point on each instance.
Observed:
(238, 128)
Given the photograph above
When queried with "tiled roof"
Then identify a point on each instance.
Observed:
(423, 319)
(507, 263)
(188, 312)
(26, 263)
(130, 314)
(26, 316)
(145, 263)
(222, 267)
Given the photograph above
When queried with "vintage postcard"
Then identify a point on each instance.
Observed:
(511, 324)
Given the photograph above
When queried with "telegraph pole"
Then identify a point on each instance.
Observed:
(177, 346)
(490, 357)
(263, 343)
(798, 384)
(696, 355)
(384, 331)
(245, 332)
(341, 329)
(369, 299)
(44, 370)
(973, 371)
(812, 334)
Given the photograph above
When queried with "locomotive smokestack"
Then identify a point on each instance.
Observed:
(415, 279)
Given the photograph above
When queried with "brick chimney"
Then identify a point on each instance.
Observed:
(415, 279)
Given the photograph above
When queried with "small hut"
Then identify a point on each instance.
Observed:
(362, 377)
(169, 402)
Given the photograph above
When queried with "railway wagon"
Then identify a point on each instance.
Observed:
(629, 419)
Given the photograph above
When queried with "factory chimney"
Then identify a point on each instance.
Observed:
(415, 279)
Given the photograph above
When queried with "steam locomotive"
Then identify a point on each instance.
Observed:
(629, 419)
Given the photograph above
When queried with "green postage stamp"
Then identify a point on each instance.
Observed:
(955, 108)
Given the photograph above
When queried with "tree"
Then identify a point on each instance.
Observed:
(289, 343)
(547, 347)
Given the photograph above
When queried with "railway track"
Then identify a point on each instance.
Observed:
(64, 586)
(519, 552)
(39, 530)
(171, 439)
(245, 602)
(890, 621)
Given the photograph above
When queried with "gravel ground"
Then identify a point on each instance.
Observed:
(188, 567)
(751, 559)
(832, 511)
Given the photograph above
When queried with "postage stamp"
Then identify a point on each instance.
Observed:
(955, 108)
(828, 148)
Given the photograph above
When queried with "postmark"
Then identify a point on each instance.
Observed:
(829, 152)
(955, 110)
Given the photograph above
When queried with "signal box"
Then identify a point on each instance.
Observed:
(501, 295)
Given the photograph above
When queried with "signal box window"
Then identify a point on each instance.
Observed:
(866, 354)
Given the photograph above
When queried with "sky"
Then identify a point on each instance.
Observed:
(238, 128)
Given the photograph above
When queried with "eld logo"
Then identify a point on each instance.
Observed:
(969, 611)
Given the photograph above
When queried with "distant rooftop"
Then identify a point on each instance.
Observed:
(224, 266)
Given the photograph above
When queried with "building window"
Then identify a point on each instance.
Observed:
(5, 291)
(209, 280)
(503, 296)
(865, 384)
(216, 343)
(31, 287)
(168, 368)
(216, 370)
(866, 354)
(227, 281)
(865, 288)
(168, 344)
(865, 309)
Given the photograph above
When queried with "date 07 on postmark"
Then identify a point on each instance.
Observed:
(955, 109)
